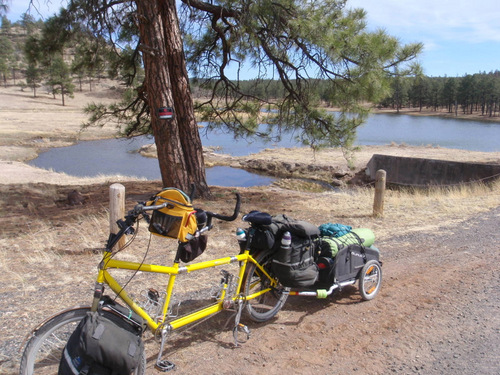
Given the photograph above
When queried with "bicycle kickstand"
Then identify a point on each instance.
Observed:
(237, 325)
(163, 364)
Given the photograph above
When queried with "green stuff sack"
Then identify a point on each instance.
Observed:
(330, 246)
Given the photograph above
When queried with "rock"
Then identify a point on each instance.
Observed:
(75, 198)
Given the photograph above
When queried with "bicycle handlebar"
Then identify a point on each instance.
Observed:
(126, 226)
(141, 208)
(224, 217)
(233, 217)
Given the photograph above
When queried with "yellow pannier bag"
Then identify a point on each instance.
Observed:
(177, 219)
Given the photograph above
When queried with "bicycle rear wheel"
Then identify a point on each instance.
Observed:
(43, 351)
(267, 305)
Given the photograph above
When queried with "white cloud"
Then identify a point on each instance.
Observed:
(443, 19)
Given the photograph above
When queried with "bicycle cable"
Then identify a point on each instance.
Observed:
(140, 264)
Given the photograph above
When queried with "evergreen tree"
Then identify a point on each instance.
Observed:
(6, 25)
(6, 56)
(34, 56)
(279, 39)
(29, 24)
(450, 94)
(33, 77)
(89, 56)
(59, 78)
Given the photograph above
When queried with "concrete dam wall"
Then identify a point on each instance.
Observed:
(417, 171)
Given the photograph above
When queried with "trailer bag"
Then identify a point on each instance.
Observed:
(105, 342)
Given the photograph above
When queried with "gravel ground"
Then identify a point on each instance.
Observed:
(438, 313)
(465, 318)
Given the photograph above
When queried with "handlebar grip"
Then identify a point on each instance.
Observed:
(233, 216)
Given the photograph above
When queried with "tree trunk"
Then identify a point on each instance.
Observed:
(159, 94)
(182, 100)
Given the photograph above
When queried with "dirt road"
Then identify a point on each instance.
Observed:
(438, 313)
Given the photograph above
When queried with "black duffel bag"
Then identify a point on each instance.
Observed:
(106, 342)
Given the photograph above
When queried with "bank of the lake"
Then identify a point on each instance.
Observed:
(29, 125)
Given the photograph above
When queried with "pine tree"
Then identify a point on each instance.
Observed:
(59, 78)
(291, 40)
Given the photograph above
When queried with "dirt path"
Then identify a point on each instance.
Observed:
(438, 313)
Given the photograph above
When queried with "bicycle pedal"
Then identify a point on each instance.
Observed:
(244, 329)
(164, 365)
(240, 328)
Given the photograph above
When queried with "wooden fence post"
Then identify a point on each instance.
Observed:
(378, 202)
(116, 209)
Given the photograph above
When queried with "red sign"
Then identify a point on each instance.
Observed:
(166, 112)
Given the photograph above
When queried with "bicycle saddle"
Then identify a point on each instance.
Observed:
(258, 218)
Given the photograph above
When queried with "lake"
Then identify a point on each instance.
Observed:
(118, 156)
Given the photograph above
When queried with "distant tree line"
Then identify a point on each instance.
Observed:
(45, 53)
(472, 93)
(55, 56)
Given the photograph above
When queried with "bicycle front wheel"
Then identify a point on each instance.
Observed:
(266, 305)
(44, 350)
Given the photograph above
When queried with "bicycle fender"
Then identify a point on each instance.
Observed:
(35, 330)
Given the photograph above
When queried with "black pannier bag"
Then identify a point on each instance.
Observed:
(295, 266)
(188, 251)
(106, 342)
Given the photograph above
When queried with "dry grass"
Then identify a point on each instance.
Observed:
(69, 246)
(52, 264)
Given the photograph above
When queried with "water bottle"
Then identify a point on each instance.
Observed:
(286, 240)
(241, 236)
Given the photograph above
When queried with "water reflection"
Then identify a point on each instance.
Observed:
(118, 156)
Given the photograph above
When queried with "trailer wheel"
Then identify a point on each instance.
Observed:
(370, 280)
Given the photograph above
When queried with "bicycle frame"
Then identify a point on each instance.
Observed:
(108, 262)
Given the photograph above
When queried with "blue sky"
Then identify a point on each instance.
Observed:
(460, 37)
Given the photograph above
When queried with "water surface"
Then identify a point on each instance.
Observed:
(119, 156)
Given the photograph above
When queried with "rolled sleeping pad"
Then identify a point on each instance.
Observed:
(366, 236)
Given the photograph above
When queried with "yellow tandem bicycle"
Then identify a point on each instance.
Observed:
(254, 290)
